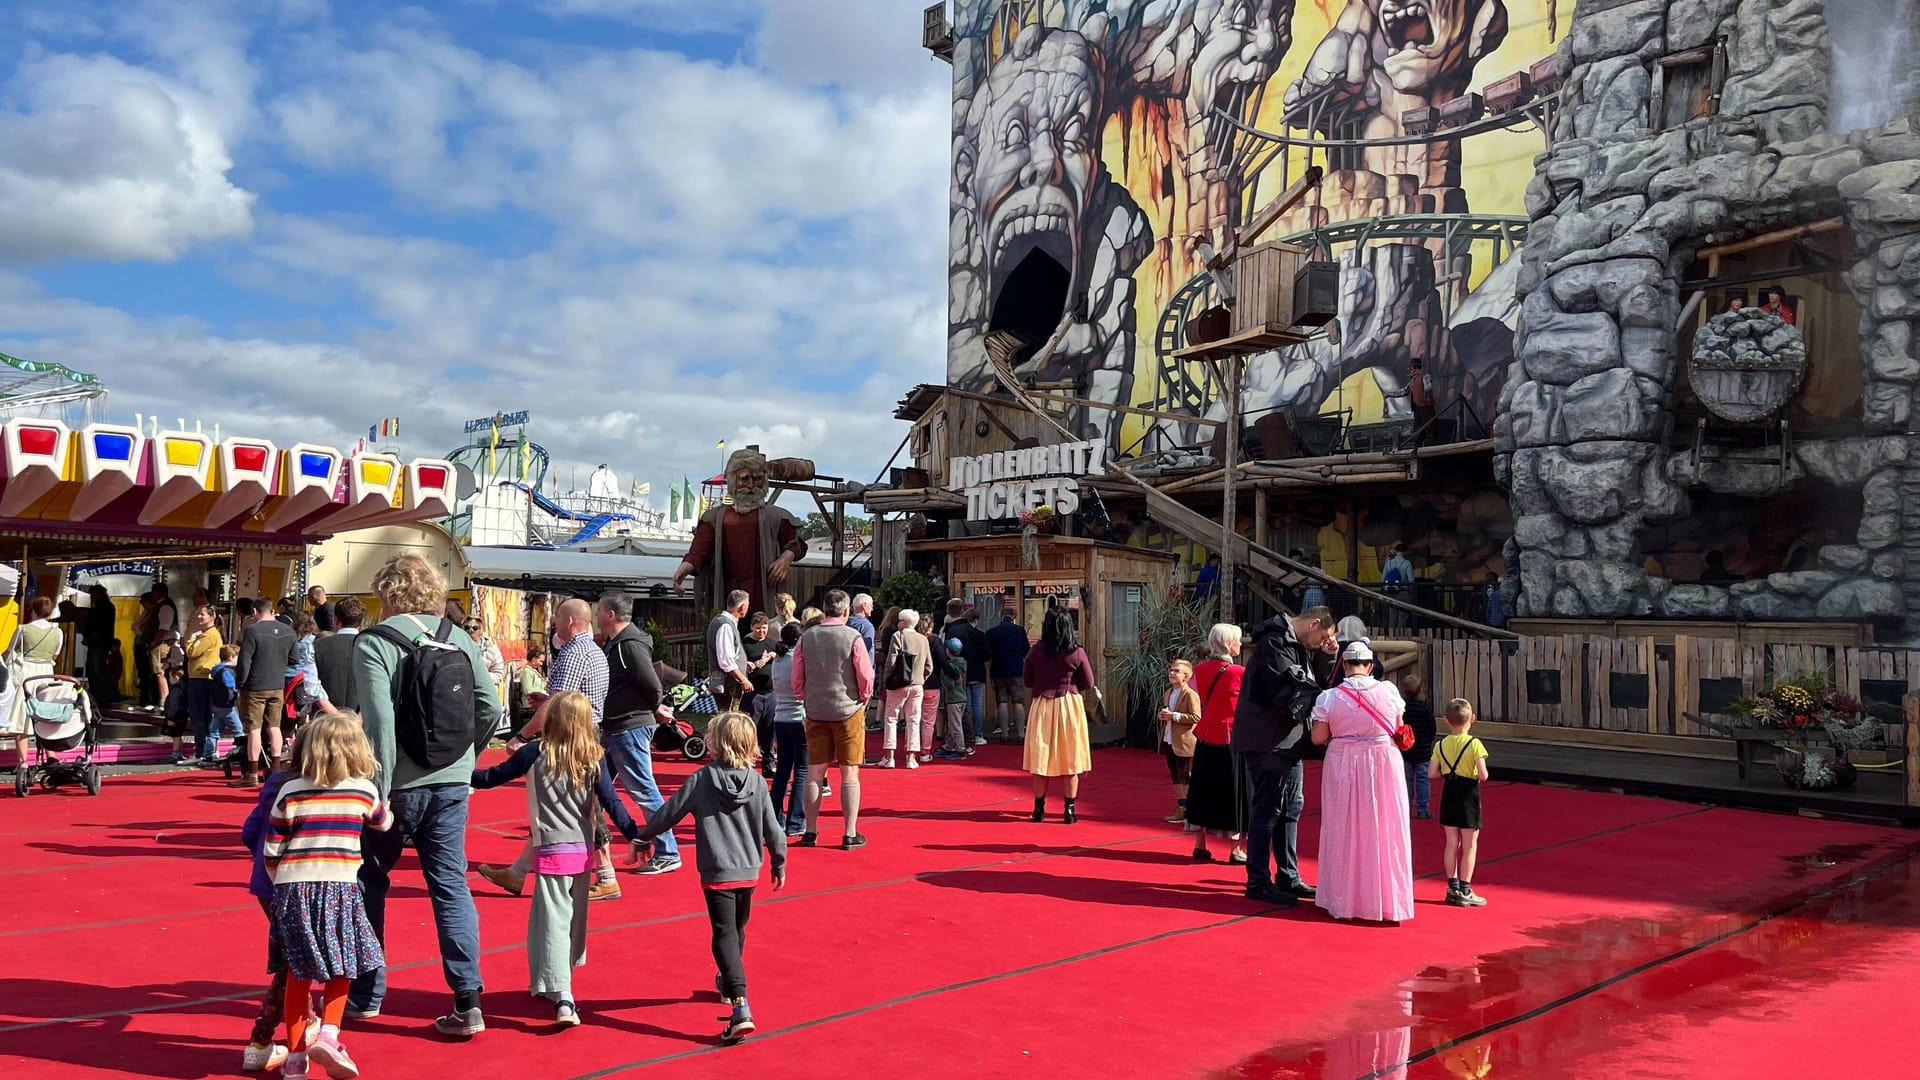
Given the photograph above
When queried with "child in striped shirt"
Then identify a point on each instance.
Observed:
(312, 850)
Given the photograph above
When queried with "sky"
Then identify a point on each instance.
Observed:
(654, 224)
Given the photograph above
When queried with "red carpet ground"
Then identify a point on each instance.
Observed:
(1625, 937)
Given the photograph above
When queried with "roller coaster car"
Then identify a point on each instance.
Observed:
(1510, 93)
(1547, 75)
(1462, 110)
(1420, 121)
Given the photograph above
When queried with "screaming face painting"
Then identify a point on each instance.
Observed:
(1100, 146)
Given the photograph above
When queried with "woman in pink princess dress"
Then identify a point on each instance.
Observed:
(1366, 849)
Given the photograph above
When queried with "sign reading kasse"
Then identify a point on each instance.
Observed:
(1000, 485)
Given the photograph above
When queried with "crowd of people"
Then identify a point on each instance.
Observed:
(1236, 738)
(391, 719)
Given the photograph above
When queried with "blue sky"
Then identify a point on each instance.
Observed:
(654, 223)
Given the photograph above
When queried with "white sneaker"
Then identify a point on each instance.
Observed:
(913, 761)
(978, 741)
(263, 1058)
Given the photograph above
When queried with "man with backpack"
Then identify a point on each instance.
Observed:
(427, 706)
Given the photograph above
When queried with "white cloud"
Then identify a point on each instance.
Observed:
(106, 160)
(711, 243)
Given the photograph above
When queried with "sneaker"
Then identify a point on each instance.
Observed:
(1178, 817)
(853, 843)
(979, 741)
(660, 864)
(913, 761)
(826, 789)
(739, 1025)
(357, 1012)
(1423, 815)
(605, 890)
(501, 876)
(809, 839)
(263, 1058)
(1271, 894)
(566, 1013)
(328, 1054)
(295, 1067)
(720, 987)
(461, 1023)
(1466, 897)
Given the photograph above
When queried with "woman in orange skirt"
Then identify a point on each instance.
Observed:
(1056, 674)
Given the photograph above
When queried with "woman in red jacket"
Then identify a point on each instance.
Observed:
(1217, 794)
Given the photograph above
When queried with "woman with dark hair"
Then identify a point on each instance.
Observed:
(1056, 674)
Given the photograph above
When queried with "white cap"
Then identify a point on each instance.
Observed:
(1358, 651)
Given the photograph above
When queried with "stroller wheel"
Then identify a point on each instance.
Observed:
(93, 780)
(49, 782)
(22, 781)
(694, 748)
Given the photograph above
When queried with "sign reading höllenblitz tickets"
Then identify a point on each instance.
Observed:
(1001, 484)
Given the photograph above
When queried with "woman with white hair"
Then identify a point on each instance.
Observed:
(1366, 845)
(1217, 793)
(904, 675)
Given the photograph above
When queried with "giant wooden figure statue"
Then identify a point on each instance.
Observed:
(754, 543)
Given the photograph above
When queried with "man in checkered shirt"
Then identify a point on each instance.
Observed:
(576, 664)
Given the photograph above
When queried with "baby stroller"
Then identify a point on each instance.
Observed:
(292, 717)
(685, 700)
(63, 718)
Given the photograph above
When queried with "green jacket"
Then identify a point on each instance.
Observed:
(376, 666)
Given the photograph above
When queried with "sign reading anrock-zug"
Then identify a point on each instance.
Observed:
(1002, 484)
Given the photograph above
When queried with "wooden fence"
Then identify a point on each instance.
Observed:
(1640, 685)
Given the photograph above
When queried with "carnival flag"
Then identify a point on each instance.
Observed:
(673, 504)
(643, 491)
(686, 496)
(721, 445)
(373, 432)
(526, 455)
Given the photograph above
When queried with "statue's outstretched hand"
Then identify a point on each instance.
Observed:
(680, 577)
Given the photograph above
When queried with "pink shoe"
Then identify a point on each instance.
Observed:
(328, 1054)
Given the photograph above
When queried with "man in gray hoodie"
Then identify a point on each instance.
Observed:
(733, 820)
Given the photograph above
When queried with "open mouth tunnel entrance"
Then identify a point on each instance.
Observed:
(1029, 306)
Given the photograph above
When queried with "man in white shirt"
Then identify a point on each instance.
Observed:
(727, 679)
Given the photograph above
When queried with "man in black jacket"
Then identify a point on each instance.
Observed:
(633, 713)
(333, 653)
(962, 623)
(265, 647)
(1270, 728)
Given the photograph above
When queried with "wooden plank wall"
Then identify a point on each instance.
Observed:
(1495, 678)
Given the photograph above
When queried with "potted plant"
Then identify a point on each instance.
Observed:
(1171, 628)
(1813, 728)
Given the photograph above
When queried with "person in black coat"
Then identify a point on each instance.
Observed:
(333, 653)
(1270, 726)
(1419, 717)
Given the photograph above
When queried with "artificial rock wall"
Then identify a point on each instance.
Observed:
(1585, 440)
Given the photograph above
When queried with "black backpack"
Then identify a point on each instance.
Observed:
(900, 670)
(434, 700)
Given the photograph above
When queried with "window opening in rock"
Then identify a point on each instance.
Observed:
(1800, 273)
(1686, 86)
(1756, 526)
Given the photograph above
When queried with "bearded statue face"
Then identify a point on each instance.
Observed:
(747, 476)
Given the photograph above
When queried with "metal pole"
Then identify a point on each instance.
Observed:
(1229, 501)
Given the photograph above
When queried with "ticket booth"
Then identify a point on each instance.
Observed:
(1105, 587)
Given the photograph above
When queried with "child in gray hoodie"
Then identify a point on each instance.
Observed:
(733, 819)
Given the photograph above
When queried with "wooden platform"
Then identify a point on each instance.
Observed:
(1877, 796)
(1257, 340)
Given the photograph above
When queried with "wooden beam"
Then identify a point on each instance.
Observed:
(1050, 397)
(1911, 706)
(1282, 203)
(1778, 236)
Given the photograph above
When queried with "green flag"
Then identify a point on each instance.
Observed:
(673, 504)
(686, 497)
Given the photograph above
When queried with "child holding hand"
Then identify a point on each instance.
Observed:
(567, 786)
(733, 820)
(312, 850)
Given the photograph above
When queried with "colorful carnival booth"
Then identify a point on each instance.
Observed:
(124, 509)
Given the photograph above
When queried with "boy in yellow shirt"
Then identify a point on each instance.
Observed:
(1461, 760)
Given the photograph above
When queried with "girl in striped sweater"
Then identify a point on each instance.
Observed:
(312, 850)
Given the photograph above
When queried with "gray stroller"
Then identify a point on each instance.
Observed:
(63, 719)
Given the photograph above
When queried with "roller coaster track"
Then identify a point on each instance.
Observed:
(1537, 113)
(1180, 389)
